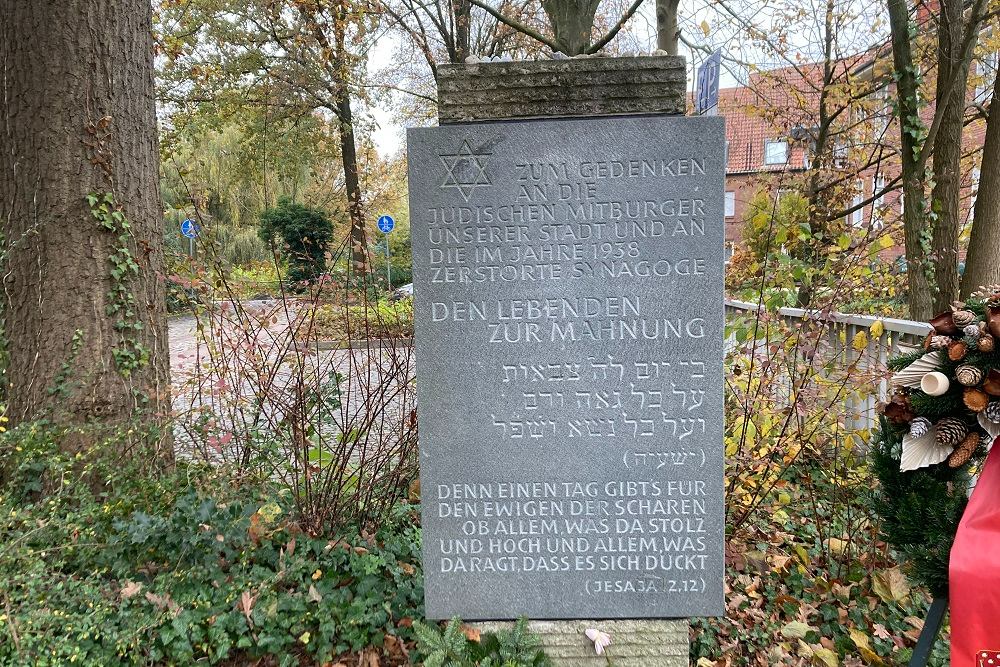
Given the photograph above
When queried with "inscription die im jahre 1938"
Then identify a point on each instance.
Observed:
(568, 280)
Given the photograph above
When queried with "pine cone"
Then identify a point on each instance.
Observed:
(969, 375)
(957, 350)
(963, 318)
(986, 343)
(964, 451)
(940, 342)
(992, 412)
(975, 399)
(951, 431)
(972, 331)
(920, 426)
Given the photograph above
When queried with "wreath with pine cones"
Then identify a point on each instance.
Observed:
(941, 418)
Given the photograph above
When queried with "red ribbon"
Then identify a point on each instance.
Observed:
(974, 574)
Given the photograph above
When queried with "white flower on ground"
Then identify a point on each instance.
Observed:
(601, 639)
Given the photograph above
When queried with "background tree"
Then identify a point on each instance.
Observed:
(83, 299)
(306, 233)
(293, 57)
(932, 231)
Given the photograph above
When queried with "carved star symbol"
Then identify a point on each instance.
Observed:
(466, 170)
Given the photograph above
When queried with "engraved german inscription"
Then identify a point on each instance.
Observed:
(568, 282)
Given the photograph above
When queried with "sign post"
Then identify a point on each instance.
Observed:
(707, 96)
(190, 231)
(385, 225)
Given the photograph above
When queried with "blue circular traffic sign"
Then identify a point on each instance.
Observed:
(386, 224)
(190, 229)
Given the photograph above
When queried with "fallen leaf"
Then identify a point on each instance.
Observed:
(825, 657)
(314, 595)
(891, 585)
(795, 630)
(130, 589)
(246, 603)
(471, 633)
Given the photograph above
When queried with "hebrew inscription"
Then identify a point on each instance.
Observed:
(568, 280)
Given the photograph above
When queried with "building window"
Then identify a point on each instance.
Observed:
(730, 203)
(775, 152)
(986, 73)
(858, 216)
(730, 251)
(878, 206)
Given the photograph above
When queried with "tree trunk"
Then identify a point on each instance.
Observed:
(79, 115)
(349, 157)
(919, 271)
(953, 74)
(666, 25)
(348, 151)
(572, 23)
(982, 265)
(463, 22)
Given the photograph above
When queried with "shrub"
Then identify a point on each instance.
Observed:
(188, 567)
(306, 233)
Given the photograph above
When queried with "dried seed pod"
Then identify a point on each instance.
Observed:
(957, 350)
(944, 324)
(951, 431)
(993, 321)
(898, 410)
(969, 375)
(975, 399)
(986, 343)
(972, 331)
(992, 384)
(992, 412)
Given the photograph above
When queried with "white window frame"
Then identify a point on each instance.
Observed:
(768, 143)
(730, 203)
(986, 69)
(858, 216)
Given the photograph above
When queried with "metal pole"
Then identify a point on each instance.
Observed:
(932, 625)
(388, 266)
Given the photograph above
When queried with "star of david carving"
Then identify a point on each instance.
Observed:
(466, 170)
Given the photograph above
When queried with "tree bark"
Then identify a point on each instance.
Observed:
(463, 21)
(352, 183)
(79, 119)
(918, 272)
(666, 25)
(572, 23)
(982, 265)
(952, 80)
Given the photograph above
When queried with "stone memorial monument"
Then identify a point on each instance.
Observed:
(568, 292)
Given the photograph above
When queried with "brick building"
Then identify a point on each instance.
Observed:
(769, 126)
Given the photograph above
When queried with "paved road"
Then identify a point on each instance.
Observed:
(232, 379)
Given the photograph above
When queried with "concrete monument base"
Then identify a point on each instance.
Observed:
(639, 643)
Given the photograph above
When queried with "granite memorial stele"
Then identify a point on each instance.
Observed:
(568, 294)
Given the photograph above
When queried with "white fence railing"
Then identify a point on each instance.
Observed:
(841, 329)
